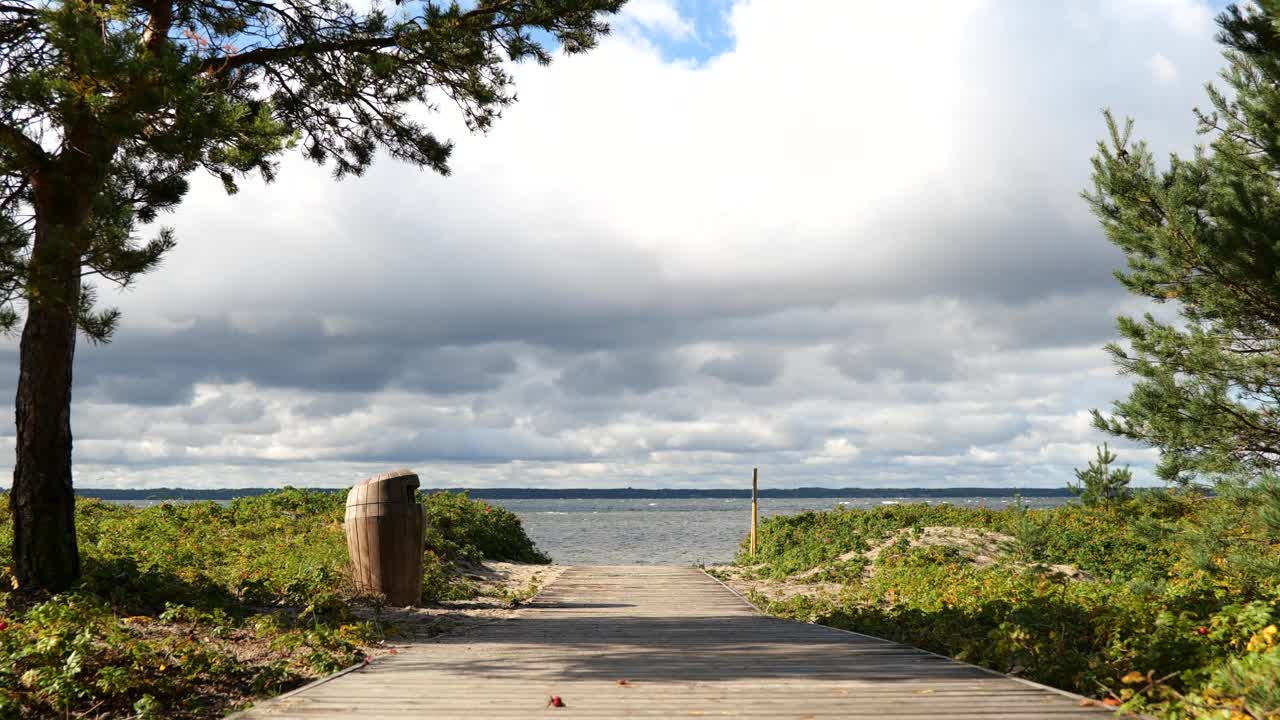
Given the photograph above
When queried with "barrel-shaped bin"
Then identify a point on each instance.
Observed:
(386, 528)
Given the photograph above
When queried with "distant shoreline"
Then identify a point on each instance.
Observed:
(601, 493)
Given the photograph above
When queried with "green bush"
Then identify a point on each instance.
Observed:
(788, 544)
(460, 527)
(169, 591)
(1174, 623)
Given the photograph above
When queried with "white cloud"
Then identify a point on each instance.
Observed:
(822, 252)
(1187, 17)
(1162, 69)
(660, 16)
(834, 450)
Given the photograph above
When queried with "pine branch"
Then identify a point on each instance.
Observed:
(267, 55)
(23, 146)
(159, 21)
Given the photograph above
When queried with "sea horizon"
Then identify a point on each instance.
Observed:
(515, 493)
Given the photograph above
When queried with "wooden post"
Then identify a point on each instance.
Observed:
(755, 507)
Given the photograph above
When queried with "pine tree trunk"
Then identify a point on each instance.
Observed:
(42, 501)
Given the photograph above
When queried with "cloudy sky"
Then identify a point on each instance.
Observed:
(839, 241)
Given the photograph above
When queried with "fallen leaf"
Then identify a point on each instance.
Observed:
(1133, 677)
(1112, 702)
(555, 701)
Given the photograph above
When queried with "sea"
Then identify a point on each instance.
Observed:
(677, 531)
(671, 531)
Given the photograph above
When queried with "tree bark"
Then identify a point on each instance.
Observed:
(42, 500)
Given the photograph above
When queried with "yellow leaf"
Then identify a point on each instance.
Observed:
(1263, 640)
(1133, 678)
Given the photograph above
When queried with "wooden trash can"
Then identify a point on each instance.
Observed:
(386, 528)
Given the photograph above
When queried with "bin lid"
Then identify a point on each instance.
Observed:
(397, 486)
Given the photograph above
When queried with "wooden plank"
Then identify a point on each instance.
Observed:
(687, 647)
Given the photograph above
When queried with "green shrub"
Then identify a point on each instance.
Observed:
(459, 527)
(843, 571)
(788, 544)
(1030, 533)
(1175, 624)
(169, 590)
(1099, 483)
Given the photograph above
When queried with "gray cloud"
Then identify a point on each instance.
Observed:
(651, 273)
(150, 367)
(616, 373)
(759, 366)
(868, 364)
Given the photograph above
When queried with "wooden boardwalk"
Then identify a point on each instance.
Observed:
(686, 646)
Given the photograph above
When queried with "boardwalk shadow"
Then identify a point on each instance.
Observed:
(565, 605)
(638, 648)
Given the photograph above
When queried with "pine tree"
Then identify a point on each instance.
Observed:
(1099, 484)
(106, 108)
(1203, 234)
(1239, 541)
